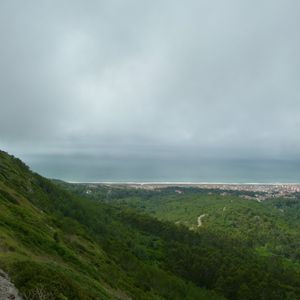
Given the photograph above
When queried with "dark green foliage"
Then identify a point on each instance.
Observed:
(31, 275)
(244, 249)
(221, 263)
(9, 197)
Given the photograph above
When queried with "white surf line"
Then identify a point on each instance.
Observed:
(200, 220)
(182, 183)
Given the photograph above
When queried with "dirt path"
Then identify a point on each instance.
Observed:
(200, 220)
(7, 289)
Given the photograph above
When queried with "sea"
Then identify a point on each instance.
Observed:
(130, 169)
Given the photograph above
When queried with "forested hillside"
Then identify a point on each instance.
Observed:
(242, 245)
(57, 246)
(80, 245)
(272, 227)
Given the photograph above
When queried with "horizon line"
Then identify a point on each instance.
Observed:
(180, 183)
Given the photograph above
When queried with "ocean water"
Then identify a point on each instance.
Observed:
(130, 169)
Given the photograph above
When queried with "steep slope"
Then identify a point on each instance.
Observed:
(37, 251)
(55, 245)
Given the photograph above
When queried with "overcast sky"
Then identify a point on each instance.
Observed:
(150, 79)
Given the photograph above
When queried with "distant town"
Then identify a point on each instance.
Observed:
(258, 192)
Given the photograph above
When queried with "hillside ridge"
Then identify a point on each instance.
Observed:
(56, 243)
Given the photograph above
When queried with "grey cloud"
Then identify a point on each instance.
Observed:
(193, 78)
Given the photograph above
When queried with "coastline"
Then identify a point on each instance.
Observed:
(181, 183)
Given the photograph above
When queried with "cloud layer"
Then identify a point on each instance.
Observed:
(150, 79)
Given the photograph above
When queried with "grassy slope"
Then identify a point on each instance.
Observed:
(55, 243)
(32, 241)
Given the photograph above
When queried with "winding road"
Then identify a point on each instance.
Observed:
(200, 220)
